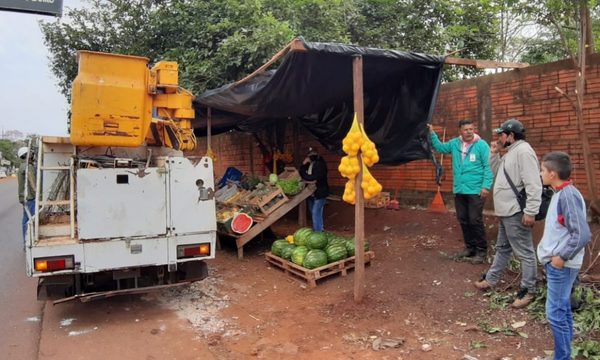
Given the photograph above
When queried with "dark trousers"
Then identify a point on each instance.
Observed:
(469, 211)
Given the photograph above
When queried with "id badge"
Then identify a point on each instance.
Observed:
(472, 157)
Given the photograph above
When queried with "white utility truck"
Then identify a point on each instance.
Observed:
(119, 208)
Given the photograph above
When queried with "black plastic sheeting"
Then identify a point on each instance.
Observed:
(316, 87)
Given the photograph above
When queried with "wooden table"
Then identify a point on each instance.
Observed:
(254, 231)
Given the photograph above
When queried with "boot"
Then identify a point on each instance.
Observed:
(524, 298)
(466, 253)
(479, 258)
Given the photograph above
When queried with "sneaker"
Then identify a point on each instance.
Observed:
(482, 284)
(524, 298)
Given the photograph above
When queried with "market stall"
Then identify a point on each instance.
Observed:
(246, 208)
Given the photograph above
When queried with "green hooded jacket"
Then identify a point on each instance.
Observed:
(472, 174)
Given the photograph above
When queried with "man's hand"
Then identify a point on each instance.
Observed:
(557, 262)
(430, 127)
(494, 147)
(306, 161)
(528, 220)
(484, 193)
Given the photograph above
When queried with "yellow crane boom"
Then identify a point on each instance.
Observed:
(117, 100)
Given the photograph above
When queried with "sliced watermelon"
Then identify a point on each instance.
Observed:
(241, 223)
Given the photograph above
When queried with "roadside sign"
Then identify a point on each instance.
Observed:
(41, 7)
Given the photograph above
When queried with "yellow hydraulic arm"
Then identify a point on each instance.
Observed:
(118, 101)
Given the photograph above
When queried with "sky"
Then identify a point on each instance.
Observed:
(30, 100)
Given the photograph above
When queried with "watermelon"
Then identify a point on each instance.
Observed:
(277, 246)
(287, 250)
(241, 223)
(351, 247)
(298, 255)
(336, 241)
(329, 235)
(316, 240)
(336, 252)
(301, 235)
(314, 259)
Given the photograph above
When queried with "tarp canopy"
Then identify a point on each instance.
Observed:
(315, 86)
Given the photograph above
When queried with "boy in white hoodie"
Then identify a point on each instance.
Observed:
(562, 248)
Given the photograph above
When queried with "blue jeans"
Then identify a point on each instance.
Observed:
(30, 204)
(558, 308)
(316, 212)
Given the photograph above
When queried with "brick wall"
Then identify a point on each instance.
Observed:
(527, 94)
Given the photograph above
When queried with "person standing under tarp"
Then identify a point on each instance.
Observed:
(314, 169)
(26, 198)
(472, 183)
(520, 165)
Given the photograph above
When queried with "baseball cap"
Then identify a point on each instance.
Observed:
(510, 125)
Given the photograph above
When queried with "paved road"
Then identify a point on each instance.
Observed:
(124, 327)
(20, 312)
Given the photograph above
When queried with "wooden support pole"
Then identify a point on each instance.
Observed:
(359, 208)
(251, 152)
(580, 92)
(208, 129)
(484, 64)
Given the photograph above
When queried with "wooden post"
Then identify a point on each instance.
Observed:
(208, 128)
(251, 152)
(359, 209)
(580, 92)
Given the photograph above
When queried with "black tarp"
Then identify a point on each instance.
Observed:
(315, 87)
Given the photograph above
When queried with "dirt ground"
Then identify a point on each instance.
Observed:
(419, 302)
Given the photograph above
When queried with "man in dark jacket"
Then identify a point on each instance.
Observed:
(314, 169)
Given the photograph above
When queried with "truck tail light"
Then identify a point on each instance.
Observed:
(193, 250)
(54, 263)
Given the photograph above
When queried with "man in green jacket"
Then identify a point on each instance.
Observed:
(472, 183)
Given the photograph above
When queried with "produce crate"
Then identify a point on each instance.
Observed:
(311, 276)
(380, 201)
(290, 172)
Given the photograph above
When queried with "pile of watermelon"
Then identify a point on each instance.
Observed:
(314, 249)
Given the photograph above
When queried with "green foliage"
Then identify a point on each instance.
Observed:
(537, 308)
(587, 349)
(477, 345)
(587, 318)
(498, 301)
(9, 151)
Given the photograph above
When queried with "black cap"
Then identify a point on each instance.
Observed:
(510, 125)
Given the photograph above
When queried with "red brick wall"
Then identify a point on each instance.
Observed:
(527, 94)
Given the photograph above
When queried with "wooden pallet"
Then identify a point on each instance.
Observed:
(311, 276)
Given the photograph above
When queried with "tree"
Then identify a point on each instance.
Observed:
(214, 42)
(9, 151)
(467, 28)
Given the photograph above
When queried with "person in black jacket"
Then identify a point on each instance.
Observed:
(314, 169)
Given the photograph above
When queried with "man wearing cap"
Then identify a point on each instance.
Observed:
(26, 180)
(314, 169)
(472, 181)
(520, 164)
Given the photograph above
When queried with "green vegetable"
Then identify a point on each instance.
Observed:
(289, 186)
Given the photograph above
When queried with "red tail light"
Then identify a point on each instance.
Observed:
(193, 250)
(53, 263)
